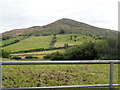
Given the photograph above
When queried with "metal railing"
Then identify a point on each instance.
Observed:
(110, 85)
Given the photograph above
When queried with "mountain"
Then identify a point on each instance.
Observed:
(67, 25)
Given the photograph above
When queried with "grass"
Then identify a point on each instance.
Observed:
(62, 39)
(30, 43)
(56, 75)
(12, 40)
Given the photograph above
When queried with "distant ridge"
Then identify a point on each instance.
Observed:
(68, 25)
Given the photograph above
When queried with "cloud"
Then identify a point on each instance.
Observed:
(27, 13)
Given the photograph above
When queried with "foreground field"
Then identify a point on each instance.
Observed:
(56, 75)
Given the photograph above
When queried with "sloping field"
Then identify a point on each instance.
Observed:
(12, 40)
(30, 43)
(71, 39)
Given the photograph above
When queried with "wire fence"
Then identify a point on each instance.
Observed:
(110, 85)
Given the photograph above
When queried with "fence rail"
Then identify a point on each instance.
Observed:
(111, 62)
(60, 62)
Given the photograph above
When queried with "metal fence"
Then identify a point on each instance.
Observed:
(110, 85)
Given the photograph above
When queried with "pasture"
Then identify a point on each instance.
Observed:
(30, 43)
(35, 42)
(71, 39)
(12, 40)
(56, 75)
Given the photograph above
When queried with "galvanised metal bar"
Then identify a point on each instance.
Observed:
(0, 76)
(60, 87)
(111, 75)
(60, 62)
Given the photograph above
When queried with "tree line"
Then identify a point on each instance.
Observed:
(102, 50)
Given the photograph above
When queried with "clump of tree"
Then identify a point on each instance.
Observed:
(107, 49)
(16, 57)
(53, 40)
(66, 45)
(71, 37)
(83, 52)
(4, 54)
(30, 57)
(54, 56)
(61, 31)
(74, 37)
(5, 38)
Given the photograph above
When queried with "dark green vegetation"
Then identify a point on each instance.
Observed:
(4, 54)
(56, 75)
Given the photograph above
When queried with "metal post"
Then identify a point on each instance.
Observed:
(111, 75)
(0, 76)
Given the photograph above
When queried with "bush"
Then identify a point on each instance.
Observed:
(4, 54)
(61, 31)
(54, 56)
(30, 57)
(66, 45)
(16, 58)
(85, 51)
(47, 56)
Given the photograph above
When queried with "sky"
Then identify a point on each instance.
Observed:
(15, 14)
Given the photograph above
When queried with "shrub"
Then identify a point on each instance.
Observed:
(61, 31)
(47, 56)
(55, 56)
(66, 45)
(16, 57)
(85, 51)
(4, 54)
(28, 57)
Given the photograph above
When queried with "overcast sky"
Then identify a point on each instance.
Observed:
(26, 13)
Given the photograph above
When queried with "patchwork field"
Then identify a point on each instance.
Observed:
(38, 54)
(35, 42)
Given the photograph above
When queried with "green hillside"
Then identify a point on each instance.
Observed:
(30, 43)
(12, 40)
(35, 42)
(71, 39)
